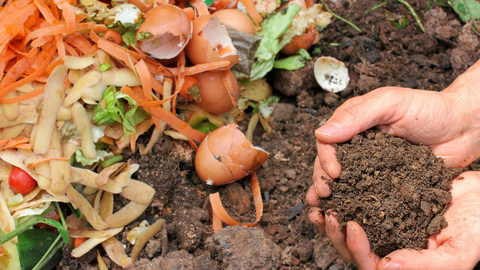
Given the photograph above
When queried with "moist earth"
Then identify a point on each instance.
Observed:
(380, 55)
(395, 190)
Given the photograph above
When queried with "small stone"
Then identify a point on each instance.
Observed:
(271, 230)
(304, 249)
(153, 247)
(291, 83)
(283, 111)
(331, 98)
(283, 188)
(239, 197)
(290, 173)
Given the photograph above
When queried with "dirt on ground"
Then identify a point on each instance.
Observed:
(395, 190)
(380, 55)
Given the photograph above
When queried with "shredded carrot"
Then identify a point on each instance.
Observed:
(257, 198)
(6, 56)
(113, 36)
(197, 69)
(46, 12)
(179, 125)
(54, 65)
(93, 32)
(60, 47)
(21, 146)
(179, 79)
(33, 164)
(78, 41)
(79, 241)
(141, 100)
(216, 223)
(14, 142)
(193, 144)
(190, 81)
(144, 75)
(14, 5)
(30, 78)
(117, 52)
(92, 49)
(23, 97)
(71, 50)
(68, 15)
(54, 9)
(252, 11)
(156, 85)
(55, 30)
(2, 251)
(229, 85)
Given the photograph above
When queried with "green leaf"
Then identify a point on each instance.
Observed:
(317, 51)
(442, 3)
(293, 62)
(101, 156)
(35, 220)
(114, 111)
(466, 9)
(254, 105)
(129, 38)
(76, 212)
(272, 29)
(142, 36)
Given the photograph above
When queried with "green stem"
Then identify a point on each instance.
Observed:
(340, 18)
(413, 13)
(110, 162)
(62, 219)
(50, 252)
(377, 6)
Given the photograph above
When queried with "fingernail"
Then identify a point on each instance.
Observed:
(329, 225)
(392, 266)
(351, 234)
(326, 167)
(329, 130)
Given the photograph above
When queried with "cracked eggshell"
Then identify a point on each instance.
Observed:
(331, 74)
(226, 156)
(171, 30)
(210, 43)
(305, 41)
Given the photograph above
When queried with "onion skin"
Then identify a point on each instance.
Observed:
(214, 95)
(226, 156)
(236, 19)
(304, 41)
(200, 51)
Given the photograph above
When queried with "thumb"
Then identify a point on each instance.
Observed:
(452, 254)
(357, 115)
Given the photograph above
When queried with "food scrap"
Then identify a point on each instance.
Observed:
(81, 80)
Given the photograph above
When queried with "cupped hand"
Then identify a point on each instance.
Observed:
(456, 247)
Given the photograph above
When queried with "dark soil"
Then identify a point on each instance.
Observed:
(395, 190)
(381, 55)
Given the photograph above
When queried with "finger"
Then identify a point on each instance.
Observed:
(317, 219)
(320, 178)
(380, 108)
(333, 231)
(328, 159)
(453, 254)
(312, 197)
(359, 247)
(454, 154)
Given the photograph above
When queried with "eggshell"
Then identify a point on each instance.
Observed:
(226, 156)
(331, 74)
(171, 28)
(214, 94)
(304, 41)
(200, 49)
(236, 19)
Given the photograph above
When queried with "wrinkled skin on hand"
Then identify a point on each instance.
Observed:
(449, 123)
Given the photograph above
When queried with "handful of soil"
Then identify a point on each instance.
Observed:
(395, 190)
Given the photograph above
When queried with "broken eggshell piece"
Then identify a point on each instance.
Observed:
(170, 29)
(226, 155)
(210, 43)
(331, 74)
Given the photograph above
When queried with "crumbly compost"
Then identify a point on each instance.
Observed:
(396, 191)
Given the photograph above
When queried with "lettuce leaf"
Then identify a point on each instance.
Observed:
(101, 156)
(272, 29)
(111, 110)
(293, 62)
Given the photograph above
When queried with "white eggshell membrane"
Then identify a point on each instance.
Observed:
(331, 74)
(165, 46)
(217, 35)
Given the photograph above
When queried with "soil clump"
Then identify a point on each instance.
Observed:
(395, 190)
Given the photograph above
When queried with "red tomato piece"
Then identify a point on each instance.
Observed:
(20, 181)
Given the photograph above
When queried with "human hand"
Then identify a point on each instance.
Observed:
(455, 247)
